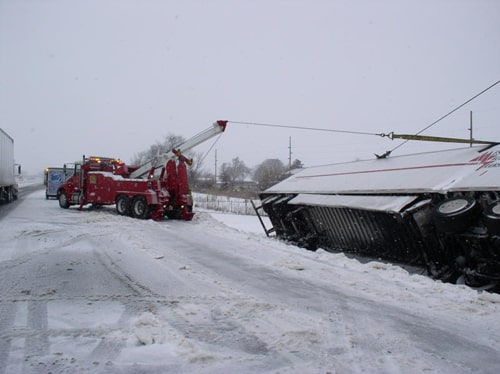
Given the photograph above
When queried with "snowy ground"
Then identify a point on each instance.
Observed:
(94, 292)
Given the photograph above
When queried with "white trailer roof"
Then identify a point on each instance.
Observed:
(465, 169)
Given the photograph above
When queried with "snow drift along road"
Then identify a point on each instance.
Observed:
(96, 292)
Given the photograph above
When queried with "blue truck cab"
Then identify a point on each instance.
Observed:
(53, 178)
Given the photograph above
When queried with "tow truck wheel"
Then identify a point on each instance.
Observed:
(455, 214)
(492, 218)
(63, 201)
(140, 207)
(123, 205)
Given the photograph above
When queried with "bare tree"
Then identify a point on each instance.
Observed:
(169, 142)
(172, 141)
(296, 164)
(269, 172)
(196, 169)
(230, 173)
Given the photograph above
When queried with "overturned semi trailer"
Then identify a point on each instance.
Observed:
(440, 210)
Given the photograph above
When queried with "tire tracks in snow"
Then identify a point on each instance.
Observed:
(64, 276)
(349, 326)
(17, 281)
(7, 315)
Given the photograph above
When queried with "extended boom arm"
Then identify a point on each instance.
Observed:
(160, 160)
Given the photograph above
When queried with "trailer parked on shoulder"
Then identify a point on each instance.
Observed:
(8, 169)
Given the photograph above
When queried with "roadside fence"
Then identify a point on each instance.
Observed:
(224, 203)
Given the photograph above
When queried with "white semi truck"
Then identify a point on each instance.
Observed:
(8, 185)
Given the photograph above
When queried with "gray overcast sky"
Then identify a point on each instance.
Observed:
(112, 77)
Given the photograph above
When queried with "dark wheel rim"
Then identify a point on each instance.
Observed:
(122, 205)
(140, 207)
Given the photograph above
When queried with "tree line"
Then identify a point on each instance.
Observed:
(231, 175)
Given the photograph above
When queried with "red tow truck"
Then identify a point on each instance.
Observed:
(154, 190)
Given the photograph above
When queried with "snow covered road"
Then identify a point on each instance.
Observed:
(95, 292)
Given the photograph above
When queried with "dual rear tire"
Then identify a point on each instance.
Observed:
(458, 213)
(123, 205)
(136, 207)
(491, 218)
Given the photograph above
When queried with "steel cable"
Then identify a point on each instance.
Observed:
(303, 128)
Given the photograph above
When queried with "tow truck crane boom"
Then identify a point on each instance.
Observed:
(161, 159)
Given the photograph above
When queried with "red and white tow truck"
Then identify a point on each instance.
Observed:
(156, 189)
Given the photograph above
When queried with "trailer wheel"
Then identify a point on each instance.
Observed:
(63, 201)
(140, 207)
(123, 205)
(455, 214)
(492, 218)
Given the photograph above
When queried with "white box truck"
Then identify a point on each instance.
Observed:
(8, 185)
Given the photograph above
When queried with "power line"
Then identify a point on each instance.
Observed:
(447, 114)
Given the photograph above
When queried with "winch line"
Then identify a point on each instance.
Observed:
(447, 114)
(213, 145)
(304, 128)
(372, 133)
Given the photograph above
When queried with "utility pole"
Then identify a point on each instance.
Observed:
(215, 173)
(470, 129)
(289, 153)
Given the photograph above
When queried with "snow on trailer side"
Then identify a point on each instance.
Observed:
(436, 209)
(472, 168)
